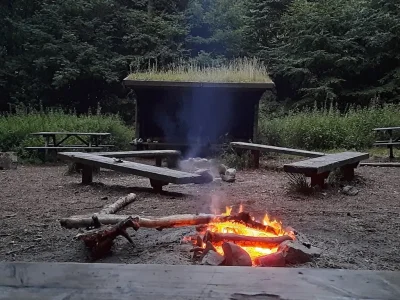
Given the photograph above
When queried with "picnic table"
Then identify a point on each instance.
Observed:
(393, 140)
(54, 141)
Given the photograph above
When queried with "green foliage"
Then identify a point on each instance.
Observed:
(328, 128)
(16, 128)
(216, 27)
(74, 53)
(337, 50)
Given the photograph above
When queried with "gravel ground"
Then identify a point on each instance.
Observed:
(355, 232)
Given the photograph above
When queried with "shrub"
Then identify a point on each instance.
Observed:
(16, 128)
(328, 128)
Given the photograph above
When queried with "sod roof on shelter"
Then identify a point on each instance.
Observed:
(237, 71)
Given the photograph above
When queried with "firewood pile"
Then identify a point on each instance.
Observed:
(229, 240)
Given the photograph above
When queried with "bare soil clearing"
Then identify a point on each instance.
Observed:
(355, 232)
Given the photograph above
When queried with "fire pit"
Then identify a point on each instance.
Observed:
(228, 239)
(241, 240)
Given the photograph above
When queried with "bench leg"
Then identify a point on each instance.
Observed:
(319, 179)
(172, 162)
(157, 185)
(348, 171)
(256, 158)
(391, 156)
(158, 161)
(87, 174)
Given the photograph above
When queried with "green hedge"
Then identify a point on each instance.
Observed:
(15, 129)
(324, 129)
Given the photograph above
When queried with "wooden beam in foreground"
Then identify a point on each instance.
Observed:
(46, 281)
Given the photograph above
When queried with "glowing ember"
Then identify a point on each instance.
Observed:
(242, 229)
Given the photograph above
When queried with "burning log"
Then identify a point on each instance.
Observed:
(236, 256)
(146, 222)
(245, 241)
(276, 259)
(122, 202)
(99, 241)
(246, 219)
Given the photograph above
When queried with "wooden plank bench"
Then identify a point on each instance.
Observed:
(158, 176)
(257, 148)
(172, 156)
(318, 168)
(45, 281)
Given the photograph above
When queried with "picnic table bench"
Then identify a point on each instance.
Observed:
(51, 143)
(392, 141)
(158, 176)
(172, 156)
(84, 281)
(257, 148)
(318, 168)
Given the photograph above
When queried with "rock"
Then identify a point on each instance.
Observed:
(8, 160)
(222, 169)
(299, 237)
(206, 176)
(201, 163)
(212, 258)
(276, 259)
(350, 190)
(235, 255)
(229, 176)
(296, 253)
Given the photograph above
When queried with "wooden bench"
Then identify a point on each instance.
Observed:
(158, 176)
(172, 156)
(318, 168)
(257, 148)
(78, 281)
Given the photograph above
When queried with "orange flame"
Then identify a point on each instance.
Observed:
(242, 229)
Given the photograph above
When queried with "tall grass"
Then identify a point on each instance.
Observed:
(15, 129)
(242, 70)
(328, 128)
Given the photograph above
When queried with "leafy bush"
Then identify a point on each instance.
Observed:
(16, 128)
(328, 128)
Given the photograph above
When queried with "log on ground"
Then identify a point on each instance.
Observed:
(99, 241)
(146, 222)
(119, 204)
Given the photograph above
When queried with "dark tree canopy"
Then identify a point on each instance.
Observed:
(75, 53)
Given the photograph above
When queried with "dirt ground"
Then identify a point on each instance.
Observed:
(355, 232)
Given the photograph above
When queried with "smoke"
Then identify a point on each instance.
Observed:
(198, 117)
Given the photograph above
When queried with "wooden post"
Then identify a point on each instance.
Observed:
(256, 158)
(158, 161)
(87, 174)
(255, 128)
(137, 123)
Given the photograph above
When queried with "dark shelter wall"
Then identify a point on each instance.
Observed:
(196, 114)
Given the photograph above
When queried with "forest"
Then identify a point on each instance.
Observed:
(73, 54)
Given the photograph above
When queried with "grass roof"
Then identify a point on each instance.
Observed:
(236, 71)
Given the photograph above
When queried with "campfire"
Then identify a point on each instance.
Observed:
(226, 239)
(242, 240)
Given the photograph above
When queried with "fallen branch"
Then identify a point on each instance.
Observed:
(146, 222)
(120, 203)
(243, 240)
(99, 241)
